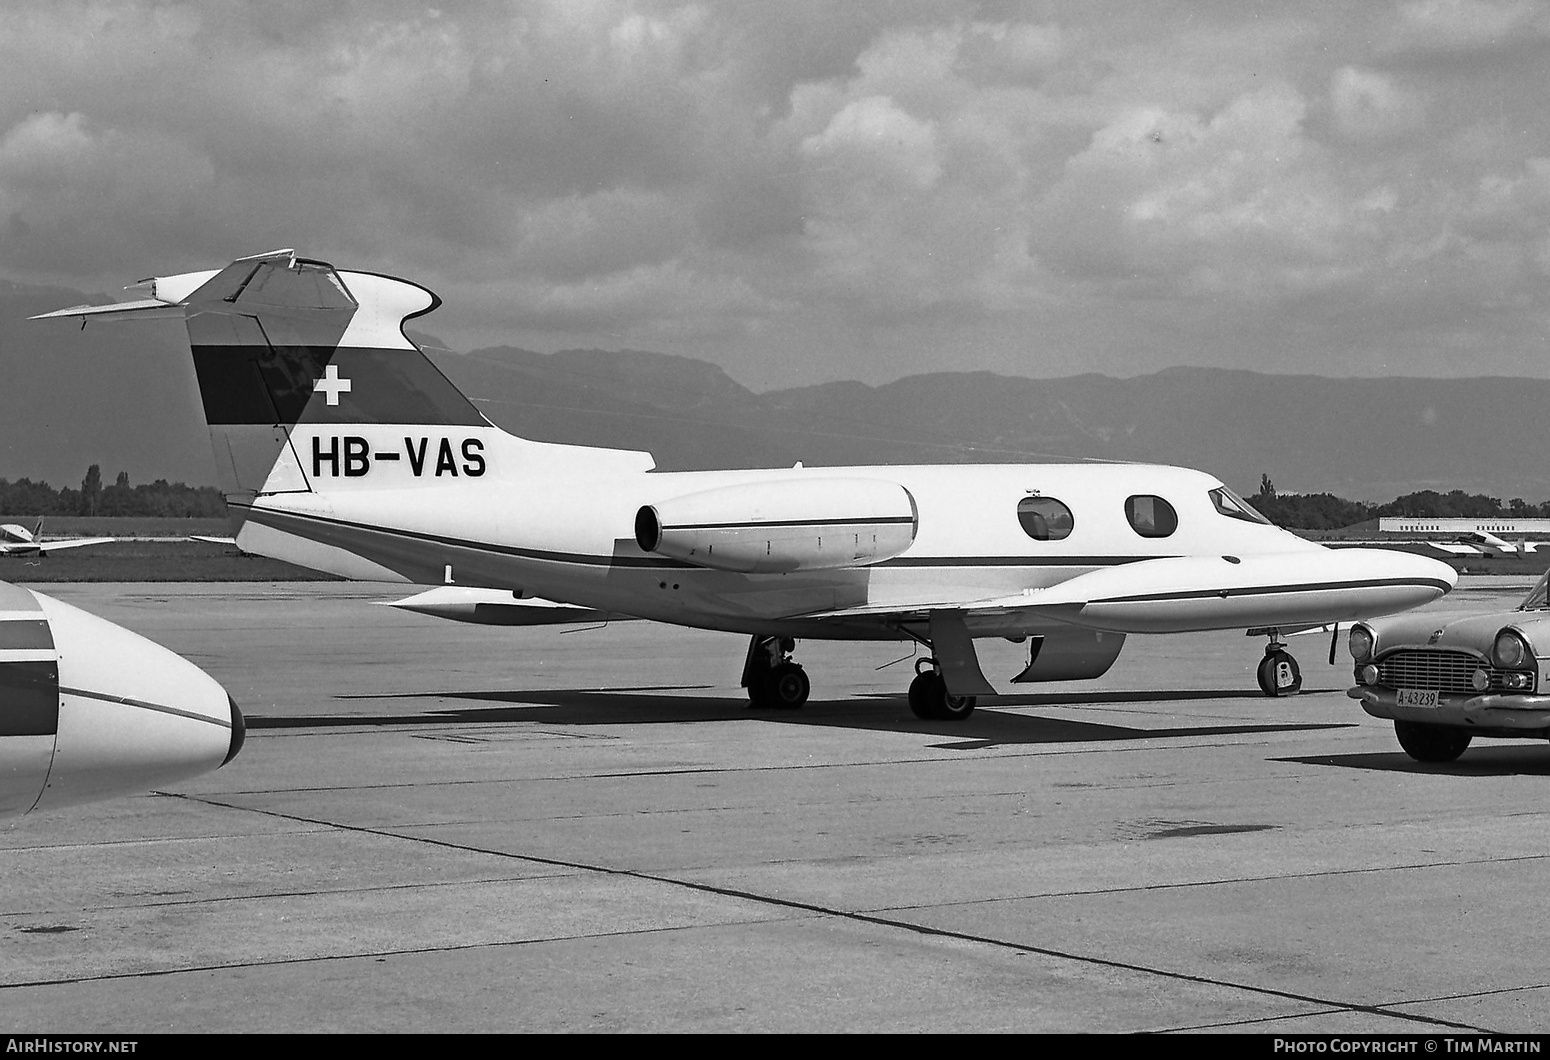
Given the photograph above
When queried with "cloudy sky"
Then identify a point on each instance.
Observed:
(805, 191)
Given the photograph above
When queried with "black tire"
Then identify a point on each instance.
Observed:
(956, 708)
(929, 700)
(927, 692)
(1431, 743)
(787, 687)
(1279, 674)
(759, 695)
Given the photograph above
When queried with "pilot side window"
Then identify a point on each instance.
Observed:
(1230, 504)
(1151, 516)
(1044, 518)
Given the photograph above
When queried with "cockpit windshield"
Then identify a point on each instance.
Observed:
(1230, 504)
(1536, 600)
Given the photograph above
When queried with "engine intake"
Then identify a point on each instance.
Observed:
(783, 526)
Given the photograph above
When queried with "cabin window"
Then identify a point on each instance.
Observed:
(1230, 504)
(1151, 516)
(1044, 518)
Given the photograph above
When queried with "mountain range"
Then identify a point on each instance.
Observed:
(123, 396)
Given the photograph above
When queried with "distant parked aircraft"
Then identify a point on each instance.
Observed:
(340, 447)
(17, 540)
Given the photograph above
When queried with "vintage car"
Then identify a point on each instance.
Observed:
(1444, 679)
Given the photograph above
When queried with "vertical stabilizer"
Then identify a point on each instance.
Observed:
(287, 349)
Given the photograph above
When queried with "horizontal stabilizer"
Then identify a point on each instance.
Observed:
(141, 309)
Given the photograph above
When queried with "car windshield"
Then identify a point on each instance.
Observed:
(1536, 598)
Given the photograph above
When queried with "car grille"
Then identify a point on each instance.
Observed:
(1445, 671)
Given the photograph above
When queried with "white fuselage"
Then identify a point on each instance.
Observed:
(559, 522)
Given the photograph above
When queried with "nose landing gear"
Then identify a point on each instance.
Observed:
(1278, 672)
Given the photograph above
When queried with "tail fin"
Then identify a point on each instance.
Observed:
(311, 386)
(280, 342)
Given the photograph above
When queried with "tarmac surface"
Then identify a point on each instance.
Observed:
(439, 827)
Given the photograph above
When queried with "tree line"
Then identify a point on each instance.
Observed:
(1324, 511)
(160, 498)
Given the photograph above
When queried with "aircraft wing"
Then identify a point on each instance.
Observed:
(8, 547)
(1176, 594)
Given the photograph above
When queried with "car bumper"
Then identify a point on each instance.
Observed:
(1492, 710)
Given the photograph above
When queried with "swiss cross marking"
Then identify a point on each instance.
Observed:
(331, 384)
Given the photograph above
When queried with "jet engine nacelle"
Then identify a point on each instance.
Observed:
(89, 709)
(783, 526)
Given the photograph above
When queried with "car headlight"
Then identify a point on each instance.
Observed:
(1511, 651)
(1361, 643)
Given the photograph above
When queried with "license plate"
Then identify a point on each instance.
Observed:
(1416, 697)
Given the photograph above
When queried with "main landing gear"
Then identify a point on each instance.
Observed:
(1278, 671)
(929, 698)
(773, 681)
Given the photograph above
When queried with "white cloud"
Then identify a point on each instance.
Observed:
(1466, 25)
(1369, 105)
(872, 141)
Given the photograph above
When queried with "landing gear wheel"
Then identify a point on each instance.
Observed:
(924, 695)
(929, 700)
(759, 695)
(1279, 674)
(773, 681)
(1431, 743)
(786, 687)
(956, 708)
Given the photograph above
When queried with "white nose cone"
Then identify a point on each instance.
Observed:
(96, 710)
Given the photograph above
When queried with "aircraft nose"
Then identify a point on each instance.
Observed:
(113, 713)
(1435, 574)
(1415, 580)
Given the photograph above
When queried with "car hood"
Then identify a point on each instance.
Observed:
(1470, 632)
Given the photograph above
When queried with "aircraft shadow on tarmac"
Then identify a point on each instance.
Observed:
(668, 704)
(1481, 760)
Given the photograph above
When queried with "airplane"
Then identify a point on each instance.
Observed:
(339, 446)
(1485, 543)
(90, 710)
(17, 540)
